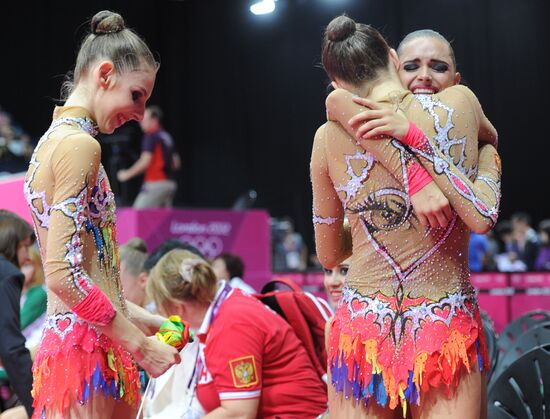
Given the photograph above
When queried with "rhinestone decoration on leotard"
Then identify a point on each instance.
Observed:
(324, 220)
(74, 359)
(354, 183)
(442, 166)
(442, 137)
(84, 124)
(409, 319)
(74, 207)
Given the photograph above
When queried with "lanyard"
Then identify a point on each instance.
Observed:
(215, 310)
(221, 298)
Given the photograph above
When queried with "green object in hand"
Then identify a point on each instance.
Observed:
(175, 332)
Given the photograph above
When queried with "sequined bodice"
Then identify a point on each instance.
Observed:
(391, 243)
(73, 209)
(392, 252)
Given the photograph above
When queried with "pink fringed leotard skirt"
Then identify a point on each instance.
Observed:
(392, 352)
(74, 360)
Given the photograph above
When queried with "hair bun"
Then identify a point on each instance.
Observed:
(107, 22)
(340, 28)
(137, 243)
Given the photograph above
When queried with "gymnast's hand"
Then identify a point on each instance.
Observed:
(156, 357)
(378, 121)
(432, 207)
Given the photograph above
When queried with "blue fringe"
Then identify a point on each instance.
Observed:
(479, 358)
(97, 382)
(97, 238)
(375, 389)
(411, 393)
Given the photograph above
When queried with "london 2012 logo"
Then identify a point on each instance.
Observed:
(210, 246)
(208, 236)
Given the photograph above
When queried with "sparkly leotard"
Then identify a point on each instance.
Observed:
(408, 320)
(73, 210)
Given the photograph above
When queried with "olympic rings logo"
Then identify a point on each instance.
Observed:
(210, 246)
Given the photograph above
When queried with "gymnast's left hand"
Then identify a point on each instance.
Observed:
(378, 121)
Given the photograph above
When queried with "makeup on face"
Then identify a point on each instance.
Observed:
(426, 66)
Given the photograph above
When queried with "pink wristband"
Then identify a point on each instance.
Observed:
(95, 308)
(414, 137)
(418, 177)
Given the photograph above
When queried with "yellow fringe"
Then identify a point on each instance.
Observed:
(371, 351)
(419, 365)
(403, 399)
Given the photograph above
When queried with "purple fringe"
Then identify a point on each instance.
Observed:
(376, 385)
(97, 382)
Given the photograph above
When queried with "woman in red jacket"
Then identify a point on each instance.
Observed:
(251, 362)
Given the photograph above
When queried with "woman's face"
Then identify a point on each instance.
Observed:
(23, 256)
(334, 281)
(123, 99)
(133, 286)
(28, 270)
(426, 66)
(219, 268)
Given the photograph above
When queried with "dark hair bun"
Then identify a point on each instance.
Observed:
(107, 22)
(340, 28)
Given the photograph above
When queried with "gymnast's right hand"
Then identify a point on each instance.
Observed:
(156, 357)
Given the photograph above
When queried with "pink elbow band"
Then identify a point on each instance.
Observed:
(95, 308)
(418, 177)
(414, 137)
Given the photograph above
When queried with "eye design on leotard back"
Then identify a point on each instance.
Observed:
(384, 210)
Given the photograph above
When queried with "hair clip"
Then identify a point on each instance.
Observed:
(186, 269)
